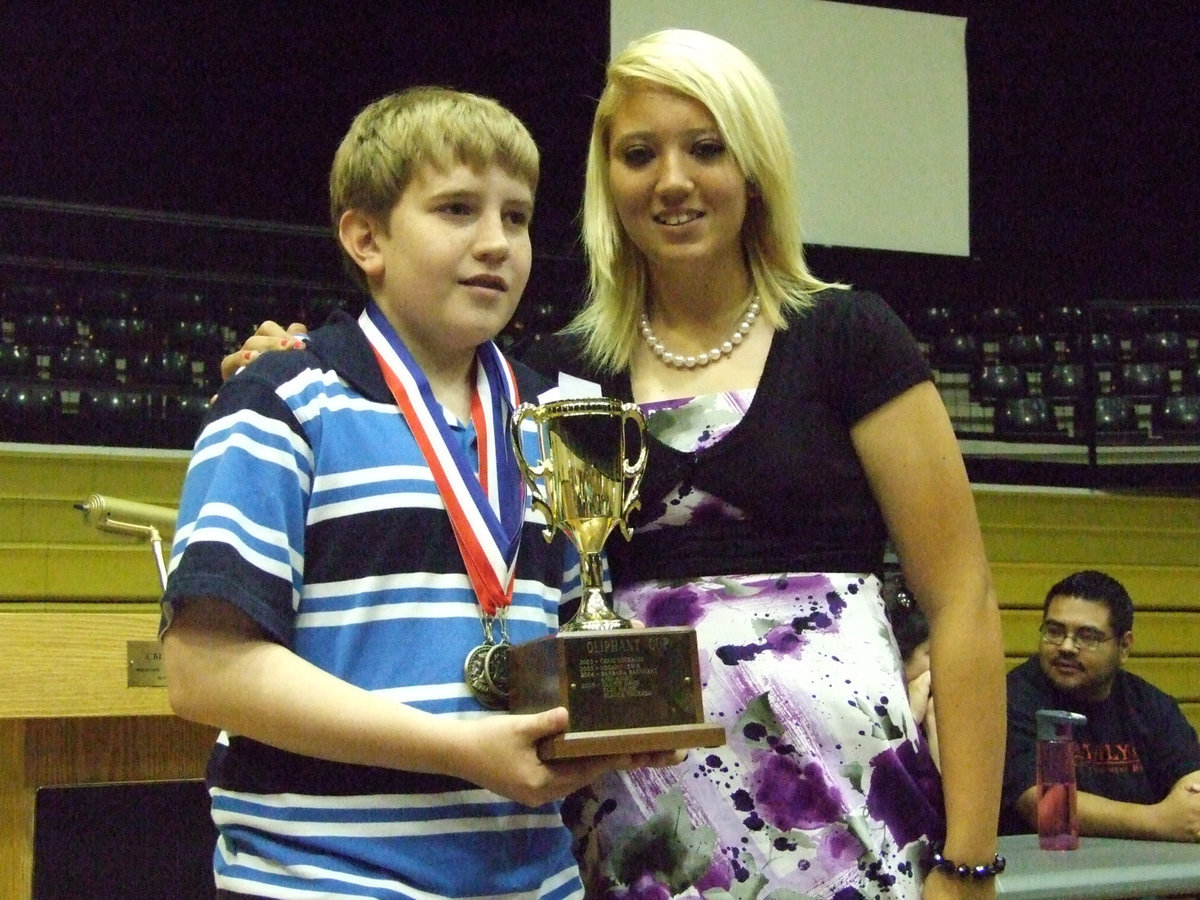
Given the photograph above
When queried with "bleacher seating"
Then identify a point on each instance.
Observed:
(1189, 382)
(1108, 378)
(1177, 416)
(117, 342)
(87, 361)
(1062, 321)
(1031, 350)
(995, 322)
(1026, 418)
(957, 352)
(995, 383)
(1142, 380)
(1098, 349)
(1116, 419)
(1066, 382)
(929, 323)
(1165, 347)
(16, 361)
(151, 324)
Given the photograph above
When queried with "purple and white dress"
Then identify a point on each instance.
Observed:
(825, 787)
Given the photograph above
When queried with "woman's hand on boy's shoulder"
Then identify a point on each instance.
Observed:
(268, 336)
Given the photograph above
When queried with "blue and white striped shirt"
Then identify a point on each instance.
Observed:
(309, 507)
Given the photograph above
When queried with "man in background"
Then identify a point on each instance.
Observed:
(1137, 759)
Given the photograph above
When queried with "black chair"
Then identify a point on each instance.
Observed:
(957, 353)
(1116, 416)
(123, 335)
(106, 301)
(1190, 382)
(1062, 321)
(1026, 350)
(27, 299)
(1187, 318)
(29, 412)
(16, 361)
(996, 321)
(1098, 348)
(1124, 320)
(199, 337)
(1168, 347)
(175, 304)
(113, 418)
(1065, 382)
(319, 308)
(1024, 418)
(83, 363)
(1143, 380)
(284, 309)
(1000, 382)
(159, 367)
(46, 330)
(179, 417)
(1177, 416)
(242, 312)
(929, 323)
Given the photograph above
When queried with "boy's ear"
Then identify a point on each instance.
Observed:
(357, 233)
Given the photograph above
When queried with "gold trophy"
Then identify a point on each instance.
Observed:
(627, 689)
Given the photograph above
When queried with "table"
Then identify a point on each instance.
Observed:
(68, 717)
(1099, 868)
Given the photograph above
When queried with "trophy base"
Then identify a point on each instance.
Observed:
(616, 741)
(632, 690)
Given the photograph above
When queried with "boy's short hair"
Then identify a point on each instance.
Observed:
(391, 139)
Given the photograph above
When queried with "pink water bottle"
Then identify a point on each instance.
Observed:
(1058, 819)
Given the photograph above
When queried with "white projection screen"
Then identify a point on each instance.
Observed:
(876, 103)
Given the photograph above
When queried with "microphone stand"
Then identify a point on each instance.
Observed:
(140, 520)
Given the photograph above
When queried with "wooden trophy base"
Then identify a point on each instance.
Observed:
(630, 690)
(616, 741)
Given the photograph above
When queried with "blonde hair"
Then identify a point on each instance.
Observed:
(394, 137)
(747, 112)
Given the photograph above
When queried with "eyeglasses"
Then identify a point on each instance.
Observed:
(1083, 638)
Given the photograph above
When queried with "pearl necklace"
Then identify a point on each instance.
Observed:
(679, 361)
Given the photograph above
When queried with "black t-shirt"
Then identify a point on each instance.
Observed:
(789, 466)
(1135, 746)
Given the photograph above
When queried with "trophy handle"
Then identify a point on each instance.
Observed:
(532, 473)
(633, 471)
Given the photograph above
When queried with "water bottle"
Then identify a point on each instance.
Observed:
(1057, 816)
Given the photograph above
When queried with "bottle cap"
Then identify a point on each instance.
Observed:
(1058, 724)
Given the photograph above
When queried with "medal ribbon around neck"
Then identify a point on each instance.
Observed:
(487, 511)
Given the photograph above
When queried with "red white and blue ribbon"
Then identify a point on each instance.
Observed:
(485, 510)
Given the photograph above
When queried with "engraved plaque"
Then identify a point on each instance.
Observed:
(145, 664)
(626, 691)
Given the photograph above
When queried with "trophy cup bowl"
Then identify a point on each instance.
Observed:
(626, 689)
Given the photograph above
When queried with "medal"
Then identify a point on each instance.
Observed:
(486, 509)
(486, 674)
(485, 669)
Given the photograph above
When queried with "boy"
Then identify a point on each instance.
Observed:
(346, 562)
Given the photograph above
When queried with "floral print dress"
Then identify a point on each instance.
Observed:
(825, 787)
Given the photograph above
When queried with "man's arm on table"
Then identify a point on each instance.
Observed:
(1175, 818)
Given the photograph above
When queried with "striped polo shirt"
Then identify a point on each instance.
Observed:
(309, 507)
